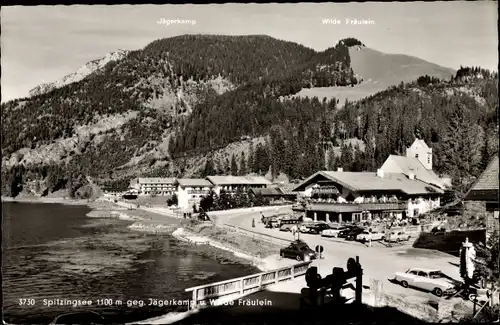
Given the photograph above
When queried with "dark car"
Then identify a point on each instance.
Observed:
(351, 235)
(83, 317)
(343, 233)
(317, 228)
(298, 250)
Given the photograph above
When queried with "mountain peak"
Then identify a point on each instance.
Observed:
(81, 73)
(350, 42)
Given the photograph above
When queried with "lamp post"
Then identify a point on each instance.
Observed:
(467, 257)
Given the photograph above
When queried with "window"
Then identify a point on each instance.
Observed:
(422, 274)
(435, 275)
(429, 159)
(413, 272)
(416, 155)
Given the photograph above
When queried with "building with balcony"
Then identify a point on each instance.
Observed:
(232, 184)
(154, 186)
(485, 189)
(356, 196)
(190, 191)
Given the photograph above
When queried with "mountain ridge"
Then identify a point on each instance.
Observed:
(84, 71)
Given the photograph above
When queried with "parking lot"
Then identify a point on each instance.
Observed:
(380, 261)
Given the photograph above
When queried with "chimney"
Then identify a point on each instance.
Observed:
(380, 173)
(340, 169)
(411, 175)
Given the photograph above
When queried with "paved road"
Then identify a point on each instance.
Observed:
(379, 261)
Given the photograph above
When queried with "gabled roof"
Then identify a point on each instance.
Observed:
(156, 180)
(419, 142)
(486, 186)
(198, 182)
(365, 182)
(273, 191)
(238, 180)
(411, 164)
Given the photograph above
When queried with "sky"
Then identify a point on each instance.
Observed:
(41, 44)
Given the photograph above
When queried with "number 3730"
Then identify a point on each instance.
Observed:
(26, 302)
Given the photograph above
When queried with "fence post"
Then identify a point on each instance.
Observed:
(276, 277)
(242, 288)
(194, 304)
(292, 272)
(359, 283)
(260, 281)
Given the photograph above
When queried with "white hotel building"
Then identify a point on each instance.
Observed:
(154, 186)
(190, 191)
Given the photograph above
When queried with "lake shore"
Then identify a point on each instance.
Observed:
(157, 220)
(53, 200)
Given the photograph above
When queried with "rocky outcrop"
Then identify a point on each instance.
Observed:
(81, 73)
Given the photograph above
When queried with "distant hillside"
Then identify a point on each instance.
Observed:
(391, 69)
(378, 71)
(81, 73)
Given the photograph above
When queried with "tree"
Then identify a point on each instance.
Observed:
(243, 165)
(346, 157)
(487, 261)
(207, 202)
(209, 168)
(234, 166)
(330, 160)
(173, 200)
(251, 159)
(261, 159)
(460, 151)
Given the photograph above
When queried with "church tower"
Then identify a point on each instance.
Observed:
(422, 152)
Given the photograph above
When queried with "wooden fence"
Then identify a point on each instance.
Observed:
(206, 295)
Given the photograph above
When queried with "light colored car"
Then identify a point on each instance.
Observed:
(366, 236)
(287, 227)
(432, 280)
(304, 228)
(332, 232)
(397, 236)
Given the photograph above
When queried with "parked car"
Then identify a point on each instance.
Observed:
(432, 280)
(397, 236)
(334, 231)
(304, 228)
(353, 233)
(287, 227)
(317, 228)
(272, 222)
(81, 317)
(370, 235)
(438, 231)
(298, 250)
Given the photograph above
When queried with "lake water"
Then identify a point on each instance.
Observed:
(53, 251)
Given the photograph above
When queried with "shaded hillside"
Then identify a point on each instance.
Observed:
(304, 131)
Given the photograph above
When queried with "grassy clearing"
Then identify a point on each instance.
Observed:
(234, 239)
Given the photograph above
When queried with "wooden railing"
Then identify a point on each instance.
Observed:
(359, 206)
(205, 295)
